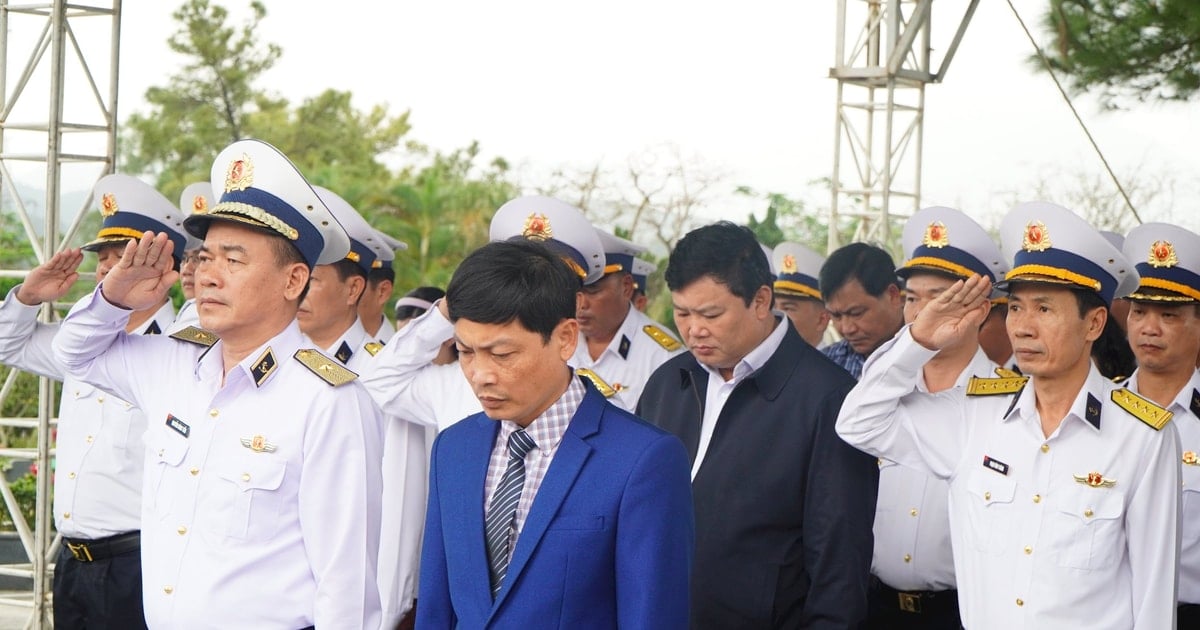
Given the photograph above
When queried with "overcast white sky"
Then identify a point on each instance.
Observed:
(743, 86)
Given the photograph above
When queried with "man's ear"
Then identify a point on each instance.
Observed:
(297, 278)
(1095, 321)
(566, 337)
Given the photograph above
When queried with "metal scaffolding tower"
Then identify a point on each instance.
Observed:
(57, 117)
(882, 66)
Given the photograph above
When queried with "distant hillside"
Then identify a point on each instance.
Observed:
(34, 199)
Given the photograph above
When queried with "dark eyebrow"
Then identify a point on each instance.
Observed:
(225, 249)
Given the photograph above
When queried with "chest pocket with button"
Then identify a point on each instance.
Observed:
(247, 504)
(1191, 504)
(1087, 531)
(165, 451)
(990, 510)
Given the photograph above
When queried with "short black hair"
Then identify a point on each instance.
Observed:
(505, 281)
(409, 311)
(728, 253)
(379, 274)
(870, 265)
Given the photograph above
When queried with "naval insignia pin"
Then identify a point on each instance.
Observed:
(1189, 458)
(1095, 480)
(258, 444)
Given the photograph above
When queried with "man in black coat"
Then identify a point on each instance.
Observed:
(784, 507)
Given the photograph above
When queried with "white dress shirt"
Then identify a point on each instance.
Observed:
(629, 360)
(188, 316)
(1033, 546)
(1186, 407)
(386, 330)
(261, 493)
(912, 518)
(719, 389)
(351, 348)
(99, 454)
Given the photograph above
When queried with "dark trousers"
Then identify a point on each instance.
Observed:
(1189, 617)
(103, 594)
(911, 610)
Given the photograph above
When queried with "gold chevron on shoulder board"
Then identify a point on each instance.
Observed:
(604, 388)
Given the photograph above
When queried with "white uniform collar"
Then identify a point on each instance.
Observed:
(1088, 403)
(1186, 402)
(261, 365)
(351, 341)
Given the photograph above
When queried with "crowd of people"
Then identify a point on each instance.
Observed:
(1001, 437)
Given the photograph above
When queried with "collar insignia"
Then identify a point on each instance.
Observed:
(936, 235)
(263, 367)
(1092, 411)
(1162, 254)
(108, 205)
(623, 349)
(344, 352)
(1037, 237)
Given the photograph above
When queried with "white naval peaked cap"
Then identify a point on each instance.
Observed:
(618, 252)
(559, 225)
(797, 269)
(197, 198)
(1117, 240)
(130, 208)
(947, 241)
(1167, 259)
(769, 252)
(1050, 244)
(365, 244)
(641, 273)
(260, 187)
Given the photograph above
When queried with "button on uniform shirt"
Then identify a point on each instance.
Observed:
(405, 382)
(629, 360)
(350, 349)
(719, 389)
(912, 519)
(262, 486)
(1035, 544)
(1186, 407)
(843, 354)
(546, 431)
(99, 451)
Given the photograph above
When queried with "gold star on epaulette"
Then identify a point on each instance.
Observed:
(661, 337)
(195, 335)
(329, 370)
(602, 387)
(1154, 416)
(995, 386)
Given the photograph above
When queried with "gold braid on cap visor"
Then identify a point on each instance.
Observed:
(574, 267)
(938, 263)
(1166, 285)
(119, 232)
(1053, 272)
(247, 213)
(786, 285)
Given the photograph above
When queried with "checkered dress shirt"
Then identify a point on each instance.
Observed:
(843, 354)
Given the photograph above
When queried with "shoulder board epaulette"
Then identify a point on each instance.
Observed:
(373, 347)
(195, 335)
(995, 386)
(329, 370)
(661, 337)
(1007, 373)
(1142, 409)
(602, 387)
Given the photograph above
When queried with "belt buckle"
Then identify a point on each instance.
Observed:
(909, 602)
(80, 552)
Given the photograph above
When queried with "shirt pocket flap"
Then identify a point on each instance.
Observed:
(1093, 504)
(991, 487)
(257, 471)
(168, 448)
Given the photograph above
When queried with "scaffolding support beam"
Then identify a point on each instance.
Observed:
(55, 114)
(882, 65)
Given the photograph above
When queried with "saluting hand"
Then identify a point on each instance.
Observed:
(954, 314)
(144, 275)
(52, 279)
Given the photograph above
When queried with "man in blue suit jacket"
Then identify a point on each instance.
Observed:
(603, 530)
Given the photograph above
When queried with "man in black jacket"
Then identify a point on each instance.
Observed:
(783, 506)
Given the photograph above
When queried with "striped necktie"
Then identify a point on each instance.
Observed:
(502, 513)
